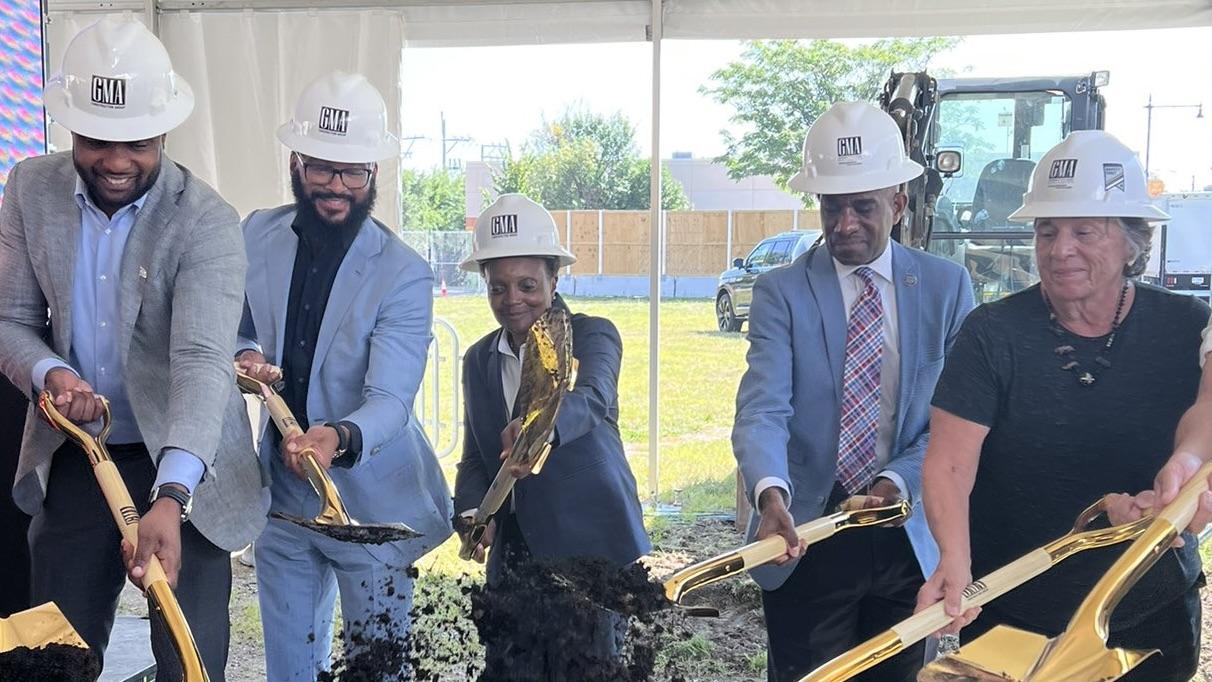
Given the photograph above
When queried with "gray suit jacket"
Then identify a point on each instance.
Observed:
(182, 284)
(368, 364)
(788, 405)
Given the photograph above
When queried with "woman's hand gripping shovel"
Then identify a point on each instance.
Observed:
(333, 520)
(155, 583)
(548, 372)
(1080, 653)
(920, 625)
(851, 515)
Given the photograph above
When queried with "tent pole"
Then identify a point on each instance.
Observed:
(654, 260)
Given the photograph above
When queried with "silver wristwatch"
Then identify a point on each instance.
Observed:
(172, 492)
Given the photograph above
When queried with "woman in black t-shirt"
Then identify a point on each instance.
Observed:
(1062, 393)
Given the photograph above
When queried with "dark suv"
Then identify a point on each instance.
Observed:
(735, 289)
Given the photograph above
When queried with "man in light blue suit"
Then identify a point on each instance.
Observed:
(846, 344)
(344, 308)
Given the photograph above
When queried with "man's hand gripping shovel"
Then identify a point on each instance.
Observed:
(333, 519)
(920, 625)
(1080, 653)
(851, 515)
(155, 583)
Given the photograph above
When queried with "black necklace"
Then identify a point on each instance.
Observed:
(1086, 377)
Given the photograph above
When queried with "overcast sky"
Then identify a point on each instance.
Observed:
(499, 94)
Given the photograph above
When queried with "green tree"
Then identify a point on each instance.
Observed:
(586, 160)
(433, 200)
(777, 88)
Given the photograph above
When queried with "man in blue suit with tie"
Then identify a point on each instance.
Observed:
(344, 308)
(846, 344)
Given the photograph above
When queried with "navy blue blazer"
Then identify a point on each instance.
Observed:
(788, 405)
(584, 501)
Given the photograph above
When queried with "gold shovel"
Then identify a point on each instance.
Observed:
(333, 520)
(548, 372)
(38, 627)
(155, 583)
(1080, 653)
(918, 626)
(762, 552)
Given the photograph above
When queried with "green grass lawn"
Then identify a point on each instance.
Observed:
(700, 370)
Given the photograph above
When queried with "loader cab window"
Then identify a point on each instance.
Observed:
(1001, 135)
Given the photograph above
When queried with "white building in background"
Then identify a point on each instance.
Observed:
(705, 182)
(709, 188)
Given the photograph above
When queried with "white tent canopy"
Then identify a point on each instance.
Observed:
(247, 60)
(433, 23)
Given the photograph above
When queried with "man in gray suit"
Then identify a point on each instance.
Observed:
(846, 344)
(138, 267)
(344, 308)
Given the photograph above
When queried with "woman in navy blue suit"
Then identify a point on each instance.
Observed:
(584, 504)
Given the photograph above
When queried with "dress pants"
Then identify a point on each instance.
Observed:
(14, 524)
(299, 573)
(843, 591)
(1174, 630)
(77, 561)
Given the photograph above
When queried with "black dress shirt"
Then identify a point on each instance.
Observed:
(321, 250)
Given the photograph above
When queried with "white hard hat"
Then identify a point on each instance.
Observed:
(515, 226)
(853, 147)
(117, 84)
(1090, 174)
(340, 117)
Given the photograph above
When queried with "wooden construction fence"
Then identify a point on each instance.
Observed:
(696, 243)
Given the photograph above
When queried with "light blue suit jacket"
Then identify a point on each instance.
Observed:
(369, 360)
(788, 403)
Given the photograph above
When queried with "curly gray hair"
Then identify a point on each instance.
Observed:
(1139, 233)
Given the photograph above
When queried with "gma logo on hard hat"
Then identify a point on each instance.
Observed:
(850, 150)
(504, 225)
(333, 120)
(108, 92)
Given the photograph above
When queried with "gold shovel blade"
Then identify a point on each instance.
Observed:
(1006, 653)
(38, 627)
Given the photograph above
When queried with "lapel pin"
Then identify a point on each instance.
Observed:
(142, 272)
(911, 280)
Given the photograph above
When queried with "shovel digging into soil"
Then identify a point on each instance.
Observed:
(160, 595)
(40, 643)
(333, 520)
(919, 626)
(1080, 652)
(743, 559)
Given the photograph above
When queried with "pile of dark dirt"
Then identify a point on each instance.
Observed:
(51, 663)
(569, 619)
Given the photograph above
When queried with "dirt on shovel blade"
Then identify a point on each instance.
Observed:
(51, 663)
(362, 535)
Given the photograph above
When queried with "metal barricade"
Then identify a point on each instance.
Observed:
(441, 420)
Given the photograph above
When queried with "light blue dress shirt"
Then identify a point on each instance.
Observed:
(96, 318)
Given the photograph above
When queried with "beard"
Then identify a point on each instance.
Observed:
(358, 210)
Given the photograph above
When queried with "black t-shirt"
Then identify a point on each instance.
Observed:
(1054, 446)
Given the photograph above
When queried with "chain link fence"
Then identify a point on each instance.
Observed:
(444, 251)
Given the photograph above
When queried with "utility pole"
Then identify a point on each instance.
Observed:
(453, 142)
(411, 140)
(1149, 123)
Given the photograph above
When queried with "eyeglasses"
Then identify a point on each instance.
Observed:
(321, 174)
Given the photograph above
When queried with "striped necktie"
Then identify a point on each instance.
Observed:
(861, 387)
